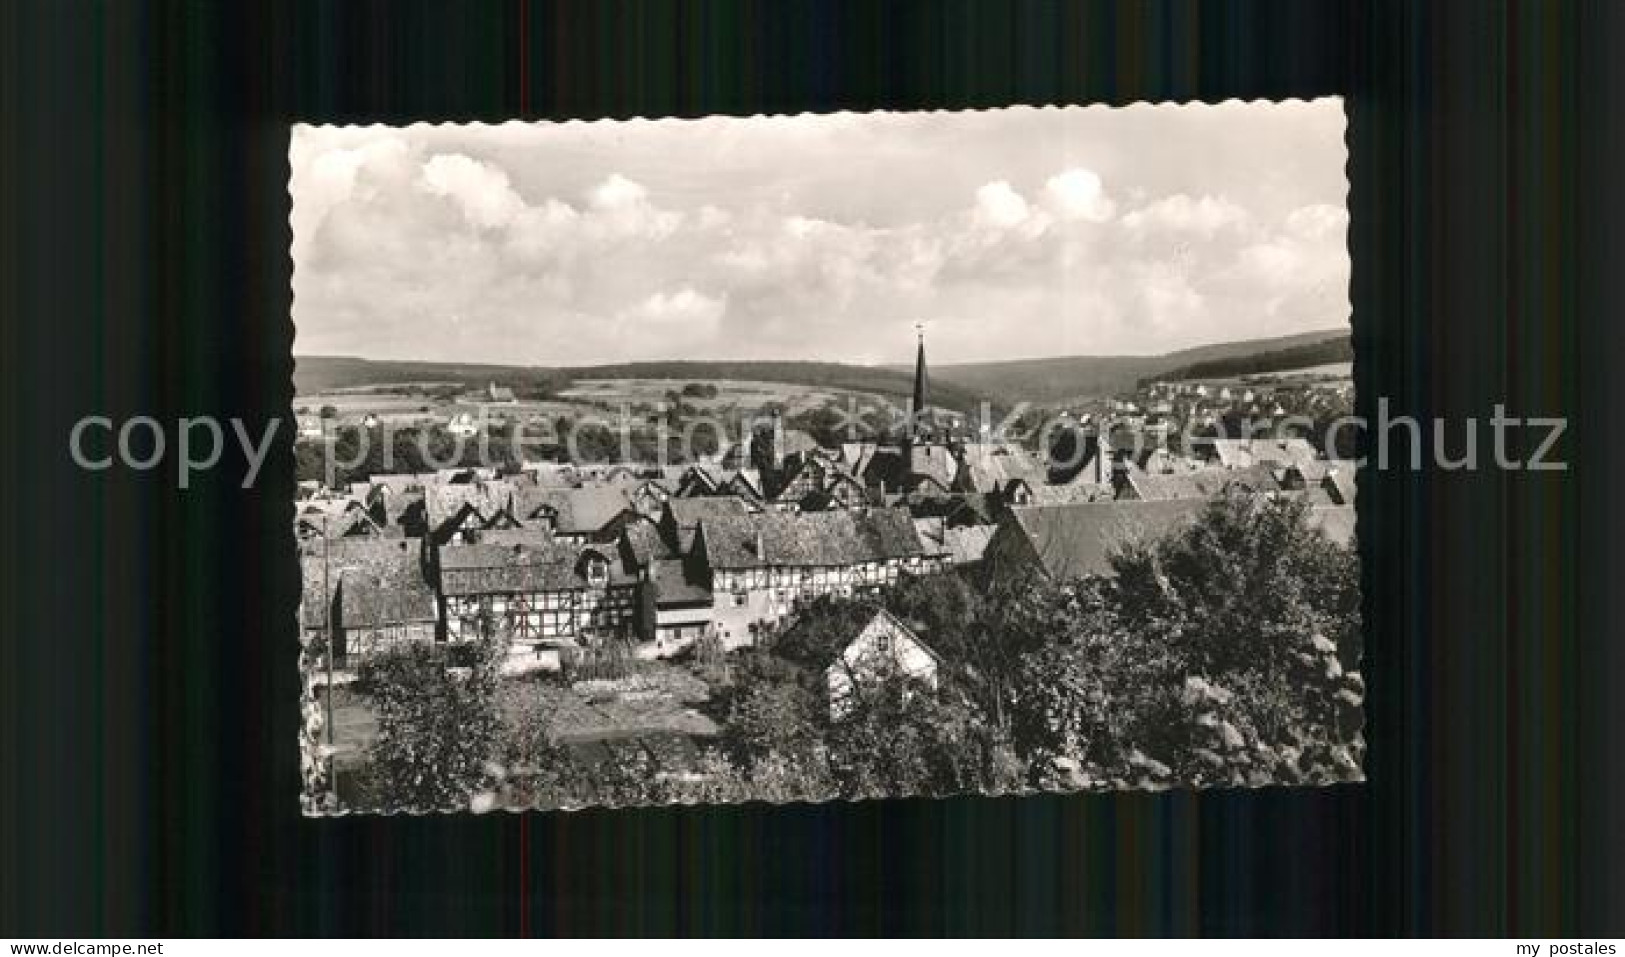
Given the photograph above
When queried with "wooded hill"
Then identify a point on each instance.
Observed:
(960, 386)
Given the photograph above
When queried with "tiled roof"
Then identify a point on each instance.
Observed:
(487, 569)
(1240, 453)
(933, 461)
(1074, 493)
(967, 544)
(642, 542)
(1201, 483)
(529, 537)
(574, 511)
(675, 586)
(990, 467)
(689, 512)
(442, 501)
(377, 597)
(1076, 540)
(836, 538)
(323, 565)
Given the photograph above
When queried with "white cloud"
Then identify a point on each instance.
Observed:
(618, 192)
(481, 191)
(1078, 194)
(1317, 221)
(620, 209)
(820, 237)
(693, 309)
(1275, 263)
(327, 178)
(1000, 206)
(1180, 213)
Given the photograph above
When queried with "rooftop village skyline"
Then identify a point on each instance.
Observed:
(559, 554)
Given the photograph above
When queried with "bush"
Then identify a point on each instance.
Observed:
(438, 728)
(606, 660)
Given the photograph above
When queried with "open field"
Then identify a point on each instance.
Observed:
(1331, 370)
(744, 394)
(659, 702)
(349, 403)
(597, 397)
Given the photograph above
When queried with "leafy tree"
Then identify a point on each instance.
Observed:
(899, 737)
(438, 727)
(1210, 657)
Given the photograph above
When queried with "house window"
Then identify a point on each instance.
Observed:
(739, 599)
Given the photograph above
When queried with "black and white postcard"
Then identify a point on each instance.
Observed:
(802, 458)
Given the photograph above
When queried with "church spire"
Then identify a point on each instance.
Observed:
(919, 384)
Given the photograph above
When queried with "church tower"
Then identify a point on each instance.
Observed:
(917, 413)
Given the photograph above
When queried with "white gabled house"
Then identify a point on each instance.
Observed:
(885, 650)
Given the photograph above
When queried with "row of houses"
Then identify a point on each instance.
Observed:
(708, 567)
(722, 567)
(560, 554)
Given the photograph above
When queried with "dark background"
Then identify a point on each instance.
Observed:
(148, 764)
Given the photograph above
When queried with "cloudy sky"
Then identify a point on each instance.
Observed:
(1009, 233)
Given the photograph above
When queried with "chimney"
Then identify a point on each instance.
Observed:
(761, 547)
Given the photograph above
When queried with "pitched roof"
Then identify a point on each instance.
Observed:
(573, 511)
(1072, 493)
(992, 466)
(1076, 540)
(854, 455)
(883, 622)
(934, 462)
(675, 586)
(641, 541)
(933, 534)
(485, 569)
(1244, 452)
(1201, 483)
(884, 465)
(443, 501)
(532, 537)
(371, 597)
(836, 538)
(1341, 484)
(966, 507)
(689, 512)
(398, 506)
(322, 566)
(967, 544)
(1336, 522)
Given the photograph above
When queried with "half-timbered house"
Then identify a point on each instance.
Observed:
(366, 593)
(536, 591)
(760, 566)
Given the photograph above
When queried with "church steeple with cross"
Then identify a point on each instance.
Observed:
(917, 412)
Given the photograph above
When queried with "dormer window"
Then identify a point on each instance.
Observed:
(595, 568)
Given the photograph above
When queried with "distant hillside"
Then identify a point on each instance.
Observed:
(1049, 380)
(1340, 349)
(895, 383)
(961, 387)
(324, 373)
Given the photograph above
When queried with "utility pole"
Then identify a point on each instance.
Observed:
(327, 633)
